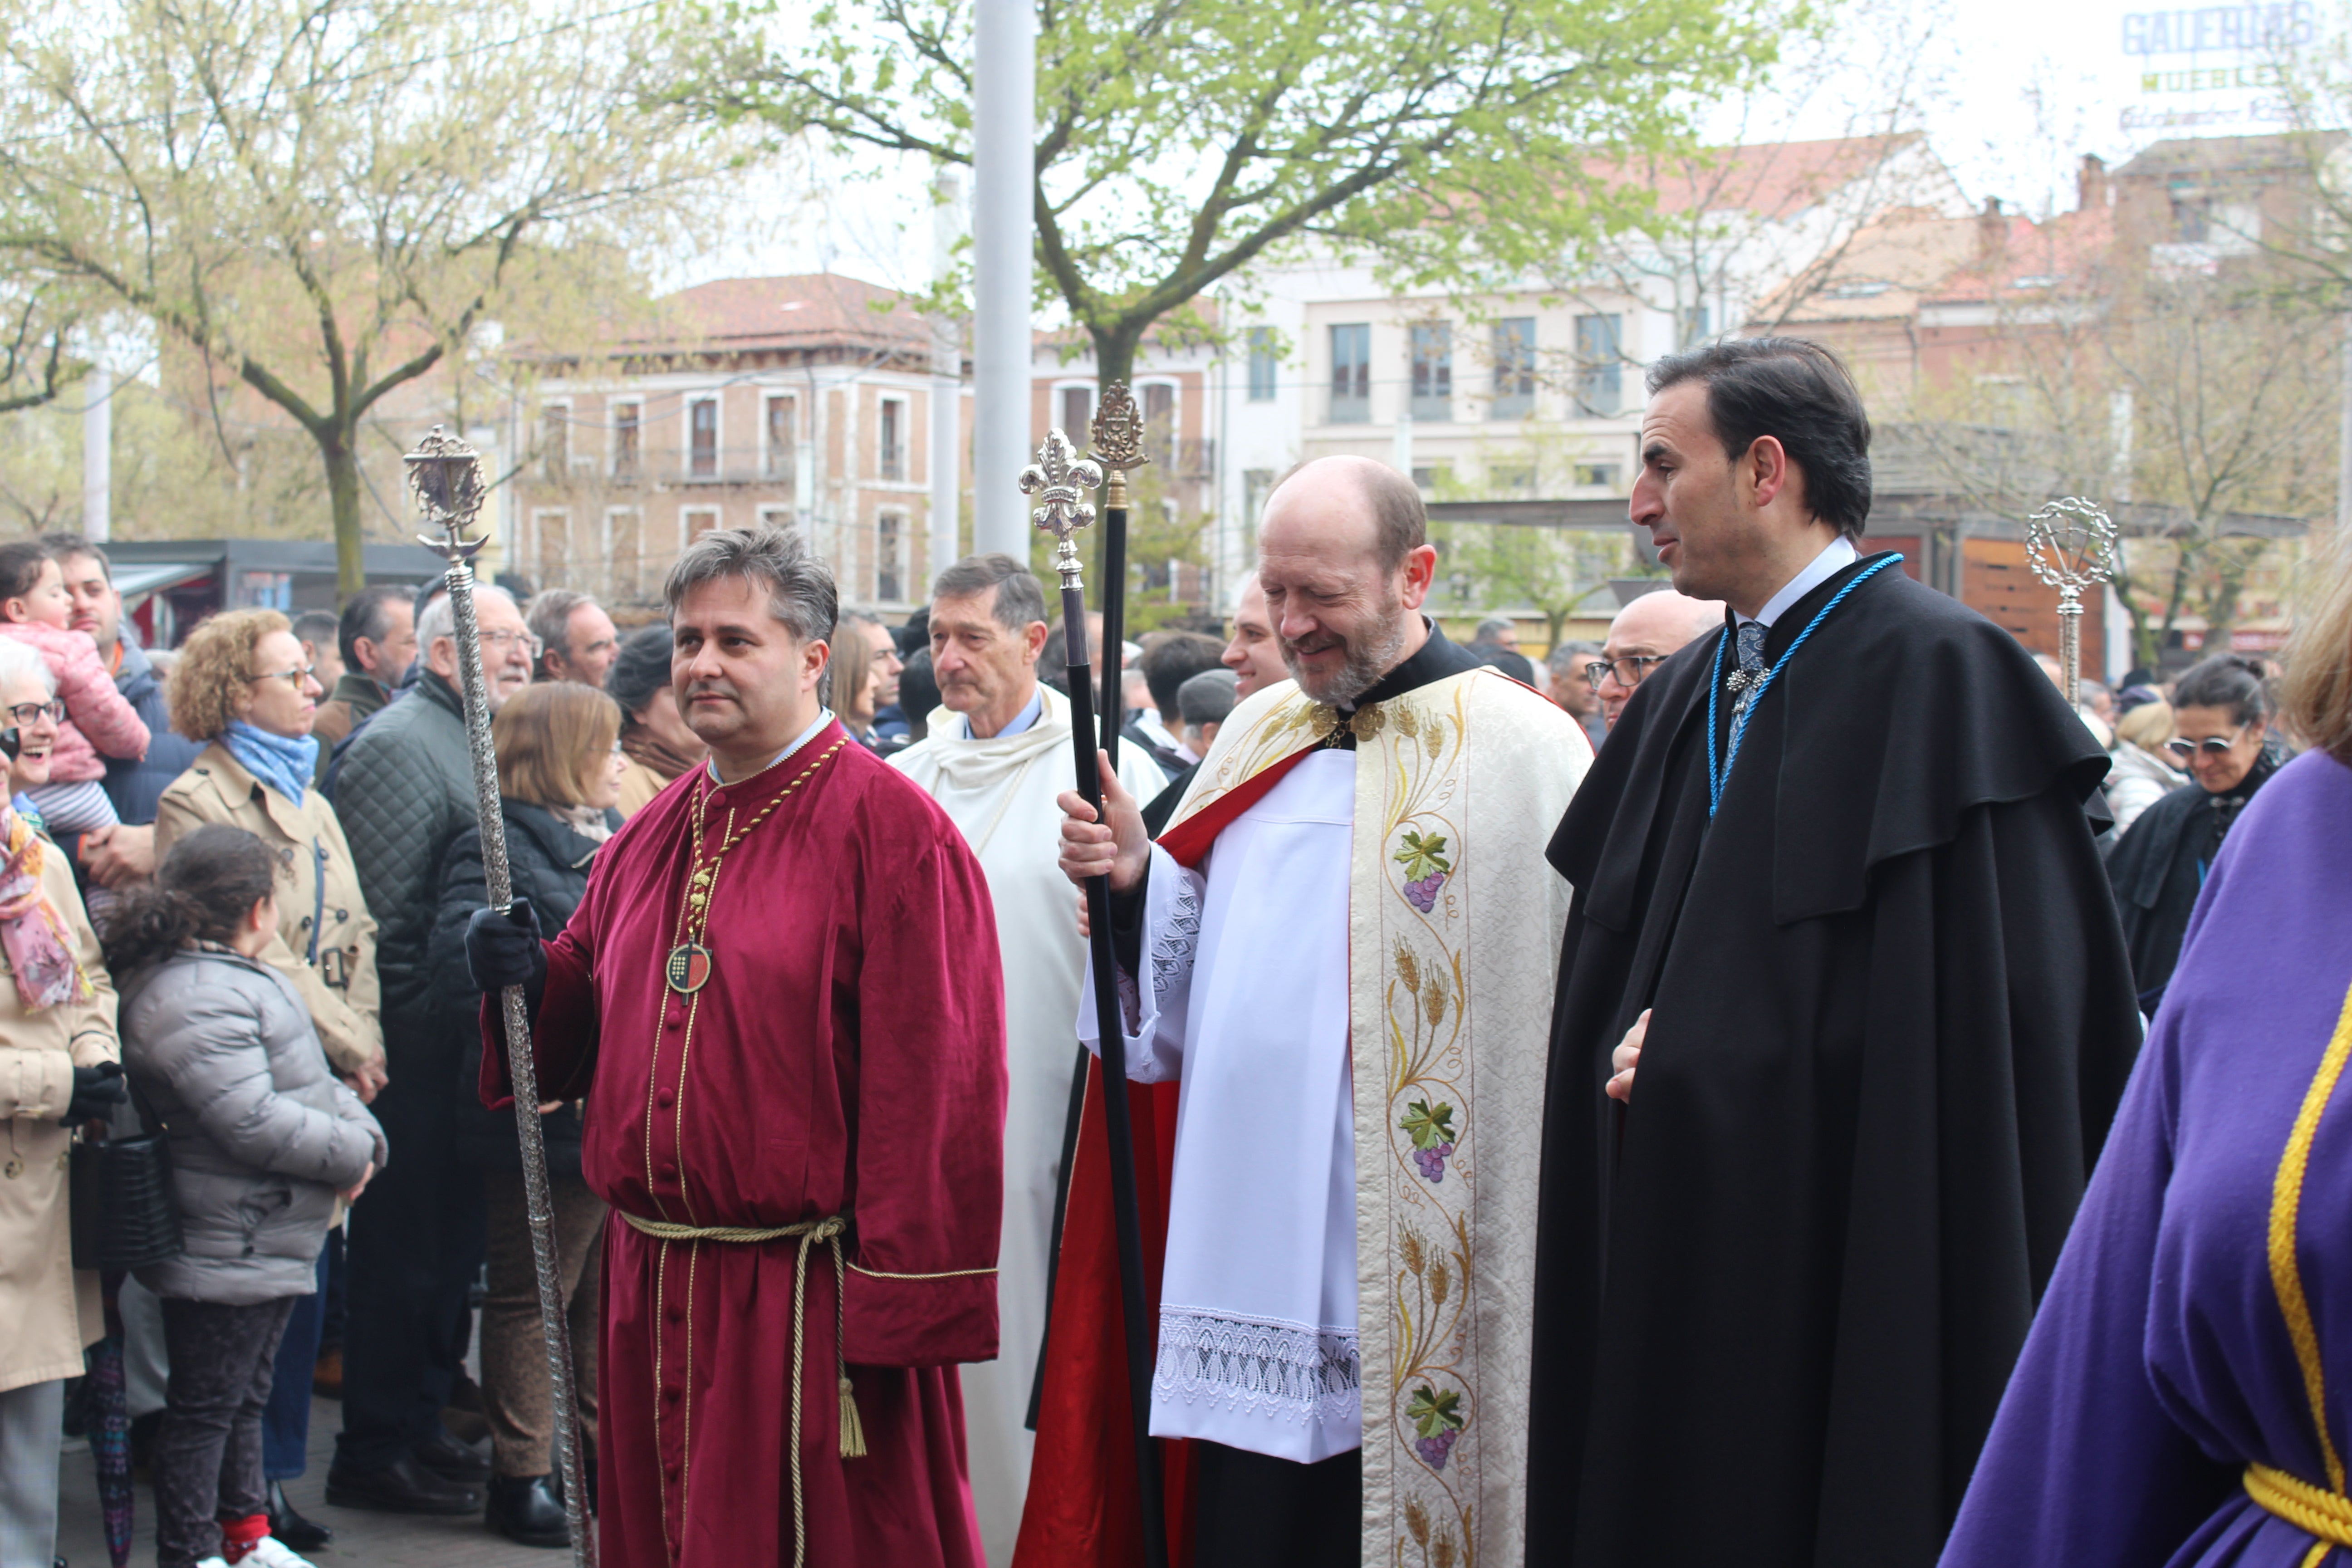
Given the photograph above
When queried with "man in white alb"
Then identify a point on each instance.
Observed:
(997, 753)
(1342, 946)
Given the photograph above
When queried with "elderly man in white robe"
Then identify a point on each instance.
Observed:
(997, 753)
(1342, 946)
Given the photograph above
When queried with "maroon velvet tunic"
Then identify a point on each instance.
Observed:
(845, 1057)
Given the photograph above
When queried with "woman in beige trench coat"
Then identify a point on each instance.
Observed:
(56, 1014)
(247, 666)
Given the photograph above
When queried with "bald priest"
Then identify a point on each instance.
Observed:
(1340, 950)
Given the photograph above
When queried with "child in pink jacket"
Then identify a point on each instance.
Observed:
(34, 609)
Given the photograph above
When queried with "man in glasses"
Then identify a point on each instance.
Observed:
(1844, 1011)
(404, 791)
(1639, 639)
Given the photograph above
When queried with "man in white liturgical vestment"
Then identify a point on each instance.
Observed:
(997, 756)
(1342, 947)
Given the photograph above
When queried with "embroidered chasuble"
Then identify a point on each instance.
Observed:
(1345, 967)
(843, 1057)
(1000, 793)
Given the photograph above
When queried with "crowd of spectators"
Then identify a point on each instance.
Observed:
(278, 843)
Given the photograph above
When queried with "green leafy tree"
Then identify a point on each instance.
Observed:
(1181, 141)
(331, 200)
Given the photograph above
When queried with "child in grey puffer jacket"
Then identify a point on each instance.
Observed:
(263, 1137)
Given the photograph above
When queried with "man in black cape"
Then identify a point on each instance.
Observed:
(1878, 1006)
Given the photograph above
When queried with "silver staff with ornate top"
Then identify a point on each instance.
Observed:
(2070, 544)
(1059, 479)
(445, 475)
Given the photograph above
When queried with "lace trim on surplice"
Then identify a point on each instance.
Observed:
(1260, 1366)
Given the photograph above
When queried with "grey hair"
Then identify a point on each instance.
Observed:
(800, 593)
(1569, 657)
(1207, 698)
(439, 621)
(1020, 597)
(1492, 624)
(19, 660)
(549, 617)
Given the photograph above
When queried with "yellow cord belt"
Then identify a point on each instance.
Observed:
(809, 1232)
(2313, 1509)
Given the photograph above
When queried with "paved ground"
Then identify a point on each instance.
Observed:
(394, 1539)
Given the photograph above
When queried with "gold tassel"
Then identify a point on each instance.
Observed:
(853, 1431)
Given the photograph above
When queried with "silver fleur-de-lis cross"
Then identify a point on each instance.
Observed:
(1060, 479)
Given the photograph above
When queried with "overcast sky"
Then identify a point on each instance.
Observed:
(2013, 92)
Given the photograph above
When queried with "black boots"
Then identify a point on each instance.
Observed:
(404, 1486)
(528, 1510)
(301, 1534)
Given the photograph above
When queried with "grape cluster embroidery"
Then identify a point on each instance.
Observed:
(1425, 867)
(1432, 1132)
(1438, 1418)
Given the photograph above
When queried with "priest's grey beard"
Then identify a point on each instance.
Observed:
(1372, 654)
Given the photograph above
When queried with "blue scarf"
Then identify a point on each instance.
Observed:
(285, 764)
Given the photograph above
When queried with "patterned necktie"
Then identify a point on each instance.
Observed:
(1751, 674)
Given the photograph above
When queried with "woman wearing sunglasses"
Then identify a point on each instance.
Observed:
(2221, 735)
(243, 684)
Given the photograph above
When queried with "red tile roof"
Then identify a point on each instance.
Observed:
(807, 311)
(1774, 180)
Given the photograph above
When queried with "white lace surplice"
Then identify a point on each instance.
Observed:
(1246, 999)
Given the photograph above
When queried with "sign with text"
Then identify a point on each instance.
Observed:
(2212, 67)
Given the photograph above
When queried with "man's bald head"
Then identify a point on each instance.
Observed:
(1345, 562)
(1334, 504)
(1646, 630)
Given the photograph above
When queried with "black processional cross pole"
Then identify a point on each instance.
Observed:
(445, 475)
(1059, 479)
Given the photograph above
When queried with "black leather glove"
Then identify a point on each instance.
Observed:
(95, 1092)
(503, 949)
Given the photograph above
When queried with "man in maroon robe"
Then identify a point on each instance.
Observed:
(781, 1001)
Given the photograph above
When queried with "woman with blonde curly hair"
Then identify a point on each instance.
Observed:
(242, 684)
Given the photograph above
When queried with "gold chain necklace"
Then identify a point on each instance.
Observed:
(689, 964)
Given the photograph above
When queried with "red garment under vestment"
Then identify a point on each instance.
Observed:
(845, 1057)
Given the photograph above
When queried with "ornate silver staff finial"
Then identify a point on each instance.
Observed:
(2071, 545)
(1117, 437)
(445, 475)
(1060, 479)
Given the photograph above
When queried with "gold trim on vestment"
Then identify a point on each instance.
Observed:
(2322, 1511)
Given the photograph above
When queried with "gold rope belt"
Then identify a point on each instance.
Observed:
(2314, 1510)
(809, 1232)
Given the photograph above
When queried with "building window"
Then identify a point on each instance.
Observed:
(702, 439)
(552, 537)
(1264, 365)
(555, 442)
(694, 521)
(623, 554)
(1600, 370)
(1429, 480)
(1511, 478)
(1257, 485)
(891, 436)
(782, 432)
(1077, 413)
(1597, 475)
(889, 530)
(1515, 369)
(775, 517)
(1351, 375)
(628, 419)
(1433, 371)
(1160, 424)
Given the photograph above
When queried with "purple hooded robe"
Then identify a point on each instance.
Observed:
(2161, 1364)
